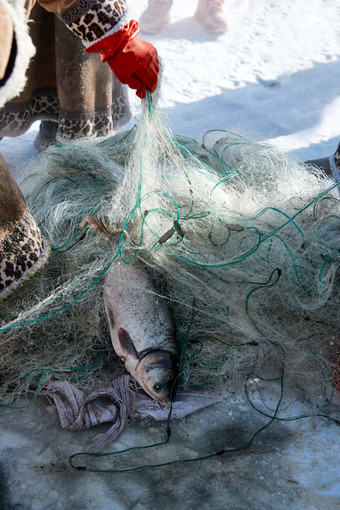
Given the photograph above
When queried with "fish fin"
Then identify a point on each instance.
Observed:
(126, 343)
(99, 224)
(110, 316)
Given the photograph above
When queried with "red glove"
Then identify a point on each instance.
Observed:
(133, 61)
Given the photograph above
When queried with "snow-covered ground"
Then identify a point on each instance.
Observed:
(275, 75)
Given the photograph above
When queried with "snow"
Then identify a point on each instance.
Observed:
(273, 76)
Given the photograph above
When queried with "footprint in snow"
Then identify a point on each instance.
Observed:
(271, 84)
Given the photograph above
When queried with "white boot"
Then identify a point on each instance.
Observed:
(155, 15)
(210, 14)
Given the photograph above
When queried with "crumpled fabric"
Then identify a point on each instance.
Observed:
(116, 404)
(78, 411)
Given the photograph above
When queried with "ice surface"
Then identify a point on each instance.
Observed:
(289, 465)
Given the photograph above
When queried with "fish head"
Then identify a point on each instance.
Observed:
(155, 370)
(157, 374)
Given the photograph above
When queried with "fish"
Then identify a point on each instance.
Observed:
(141, 326)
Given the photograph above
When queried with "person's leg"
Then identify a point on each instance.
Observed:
(22, 248)
(323, 164)
(210, 13)
(46, 135)
(330, 166)
(155, 15)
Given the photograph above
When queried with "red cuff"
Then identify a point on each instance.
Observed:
(107, 46)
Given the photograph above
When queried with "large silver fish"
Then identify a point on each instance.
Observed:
(141, 325)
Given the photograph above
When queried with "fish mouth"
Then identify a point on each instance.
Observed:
(154, 396)
(166, 399)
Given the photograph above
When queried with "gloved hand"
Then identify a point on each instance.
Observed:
(133, 61)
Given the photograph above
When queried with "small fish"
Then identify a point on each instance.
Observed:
(141, 325)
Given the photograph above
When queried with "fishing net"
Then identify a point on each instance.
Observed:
(242, 242)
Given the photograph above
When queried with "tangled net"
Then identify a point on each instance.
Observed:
(244, 239)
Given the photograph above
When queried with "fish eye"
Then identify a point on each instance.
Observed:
(157, 388)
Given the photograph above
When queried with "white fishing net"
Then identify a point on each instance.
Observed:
(242, 241)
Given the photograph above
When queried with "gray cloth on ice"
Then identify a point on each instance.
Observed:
(78, 411)
(115, 404)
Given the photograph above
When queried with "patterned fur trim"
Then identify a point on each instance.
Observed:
(78, 9)
(124, 20)
(25, 51)
(337, 158)
(94, 20)
(99, 123)
(22, 252)
(334, 164)
(16, 118)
